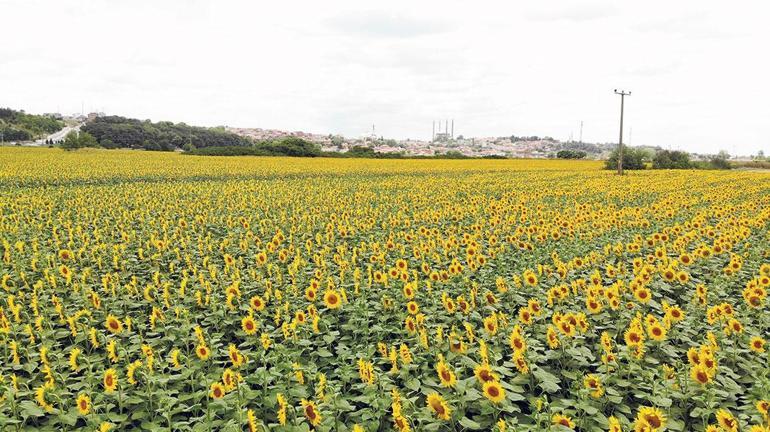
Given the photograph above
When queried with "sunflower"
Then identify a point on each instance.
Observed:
(675, 314)
(217, 391)
(763, 406)
(202, 351)
(517, 341)
(613, 425)
(439, 406)
(726, 421)
(236, 358)
(113, 324)
(311, 294)
(412, 307)
(594, 384)
(445, 375)
(735, 326)
(552, 337)
(257, 303)
(251, 418)
(593, 305)
(261, 258)
(84, 404)
(248, 325)
(633, 337)
(525, 315)
(332, 299)
(657, 332)
(110, 380)
(566, 328)
(757, 344)
(490, 324)
(562, 420)
(484, 373)
(650, 419)
(643, 295)
(282, 405)
(311, 412)
(300, 317)
(534, 307)
(494, 391)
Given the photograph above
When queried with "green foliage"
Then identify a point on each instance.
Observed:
(755, 164)
(13, 134)
(227, 151)
(671, 159)
(20, 126)
(123, 132)
(720, 160)
(290, 146)
(571, 154)
(633, 159)
(75, 140)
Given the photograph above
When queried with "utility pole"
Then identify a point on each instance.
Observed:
(623, 95)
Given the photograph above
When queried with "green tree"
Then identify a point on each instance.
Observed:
(633, 159)
(71, 141)
(671, 159)
(721, 160)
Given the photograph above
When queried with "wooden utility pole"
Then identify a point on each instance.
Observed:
(623, 95)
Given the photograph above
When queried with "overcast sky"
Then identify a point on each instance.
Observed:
(698, 70)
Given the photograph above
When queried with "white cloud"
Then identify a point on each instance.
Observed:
(498, 68)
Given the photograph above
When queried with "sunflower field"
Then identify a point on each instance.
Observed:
(146, 291)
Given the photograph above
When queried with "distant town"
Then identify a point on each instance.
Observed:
(442, 142)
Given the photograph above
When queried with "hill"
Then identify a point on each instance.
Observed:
(20, 126)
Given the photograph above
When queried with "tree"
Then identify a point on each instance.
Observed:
(71, 141)
(671, 159)
(75, 140)
(633, 159)
(720, 160)
(87, 140)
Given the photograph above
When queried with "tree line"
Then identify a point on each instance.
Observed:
(639, 159)
(122, 132)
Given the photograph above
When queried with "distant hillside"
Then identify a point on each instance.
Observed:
(116, 132)
(20, 126)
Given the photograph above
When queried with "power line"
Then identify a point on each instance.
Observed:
(623, 95)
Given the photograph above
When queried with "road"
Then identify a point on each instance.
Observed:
(56, 136)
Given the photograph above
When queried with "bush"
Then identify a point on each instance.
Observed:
(571, 154)
(290, 146)
(671, 159)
